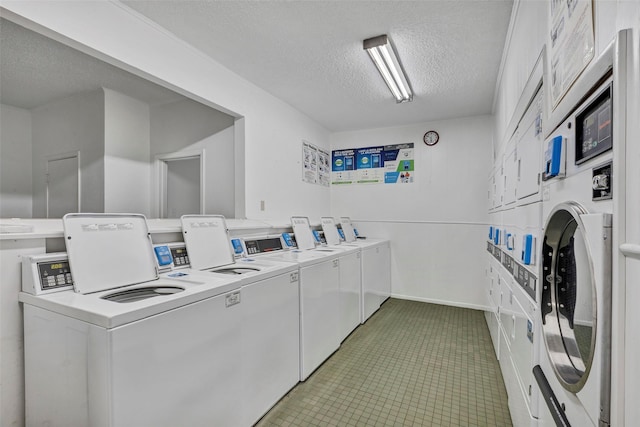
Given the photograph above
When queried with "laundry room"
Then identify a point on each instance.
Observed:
(249, 157)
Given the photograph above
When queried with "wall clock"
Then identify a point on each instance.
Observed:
(431, 138)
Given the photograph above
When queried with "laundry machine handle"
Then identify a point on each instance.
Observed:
(550, 398)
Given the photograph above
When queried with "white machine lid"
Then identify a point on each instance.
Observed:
(108, 251)
(330, 231)
(207, 240)
(347, 228)
(303, 233)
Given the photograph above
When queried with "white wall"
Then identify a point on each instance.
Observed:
(436, 224)
(220, 172)
(273, 129)
(69, 125)
(190, 127)
(15, 162)
(127, 168)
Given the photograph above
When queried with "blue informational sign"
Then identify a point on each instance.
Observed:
(389, 164)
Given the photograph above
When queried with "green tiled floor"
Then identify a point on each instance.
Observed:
(410, 364)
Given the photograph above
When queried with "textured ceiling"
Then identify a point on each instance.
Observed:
(35, 70)
(309, 53)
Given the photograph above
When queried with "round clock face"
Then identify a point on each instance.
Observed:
(431, 137)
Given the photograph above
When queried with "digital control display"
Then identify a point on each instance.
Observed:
(180, 256)
(56, 274)
(593, 128)
(263, 245)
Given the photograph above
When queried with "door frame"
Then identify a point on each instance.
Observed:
(161, 168)
(63, 156)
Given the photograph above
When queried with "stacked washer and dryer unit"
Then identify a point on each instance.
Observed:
(574, 374)
(557, 278)
(512, 244)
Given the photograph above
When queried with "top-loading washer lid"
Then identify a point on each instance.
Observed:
(302, 230)
(347, 228)
(108, 251)
(330, 231)
(207, 240)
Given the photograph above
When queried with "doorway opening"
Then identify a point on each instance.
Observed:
(181, 189)
(63, 184)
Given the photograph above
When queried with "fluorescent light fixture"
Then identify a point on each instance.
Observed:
(383, 56)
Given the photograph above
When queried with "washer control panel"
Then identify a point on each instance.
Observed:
(46, 273)
(264, 245)
(171, 256)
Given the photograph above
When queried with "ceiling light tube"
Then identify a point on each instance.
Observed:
(383, 56)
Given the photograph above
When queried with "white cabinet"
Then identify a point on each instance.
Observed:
(529, 152)
(510, 167)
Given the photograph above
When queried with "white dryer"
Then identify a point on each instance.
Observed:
(376, 269)
(575, 293)
(270, 327)
(109, 343)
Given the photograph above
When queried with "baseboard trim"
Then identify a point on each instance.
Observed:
(443, 302)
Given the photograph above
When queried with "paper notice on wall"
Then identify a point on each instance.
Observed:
(389, 164)
(324, 169)
(570, 43)
(309, 163)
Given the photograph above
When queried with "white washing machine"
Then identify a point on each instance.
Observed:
(270, 325)
(319, 296)
(575, 292)
(376, 269)
(109, 343)
(350, 278)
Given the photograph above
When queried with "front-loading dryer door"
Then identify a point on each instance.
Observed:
(569, 298)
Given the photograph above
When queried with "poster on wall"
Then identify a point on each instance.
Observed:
(389, 164)
(399, 166)
(309, 163)
(324, 171)
(570, 42)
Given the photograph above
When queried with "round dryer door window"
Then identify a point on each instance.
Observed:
(568, 305)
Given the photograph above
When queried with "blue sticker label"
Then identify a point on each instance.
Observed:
(287, 239)
(237, 246)
(163, 255)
